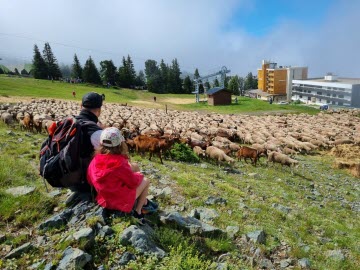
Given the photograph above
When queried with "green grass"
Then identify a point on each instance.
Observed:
(28, 87)
(309, 222)
(251, 106)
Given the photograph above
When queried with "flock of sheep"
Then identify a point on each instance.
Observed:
(278, 137)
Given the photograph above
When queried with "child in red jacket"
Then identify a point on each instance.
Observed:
(117, 184)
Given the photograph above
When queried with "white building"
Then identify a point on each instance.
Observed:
(327, 90)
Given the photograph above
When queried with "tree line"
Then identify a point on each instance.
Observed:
(157, 78)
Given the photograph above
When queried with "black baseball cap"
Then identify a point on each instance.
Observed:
(92, 100)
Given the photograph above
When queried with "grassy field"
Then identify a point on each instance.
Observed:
(320, 202)
(26, 87)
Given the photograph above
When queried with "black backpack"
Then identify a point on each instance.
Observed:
(60, 155)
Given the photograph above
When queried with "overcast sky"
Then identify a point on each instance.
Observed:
(321, 34)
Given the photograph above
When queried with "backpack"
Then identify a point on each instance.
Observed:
(61, 164)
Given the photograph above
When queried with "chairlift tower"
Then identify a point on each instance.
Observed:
(199, 80)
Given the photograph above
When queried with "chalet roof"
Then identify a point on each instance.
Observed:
(216, 89)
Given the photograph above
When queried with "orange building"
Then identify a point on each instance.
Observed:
(275, 80)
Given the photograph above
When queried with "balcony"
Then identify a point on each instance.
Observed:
(321, 96)
(338, 92)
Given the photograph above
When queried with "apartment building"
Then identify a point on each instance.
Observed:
(276, 81)
(328, 90)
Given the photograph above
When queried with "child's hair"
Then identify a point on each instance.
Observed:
(121, 149)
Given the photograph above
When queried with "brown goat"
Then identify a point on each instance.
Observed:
(28, 122)
(248, 152)
(148, 144)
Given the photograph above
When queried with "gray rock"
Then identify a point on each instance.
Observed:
(266, 264)
(141, 241)
(73, 198)
(101, 214)
(215, 200)
(105, 230)
(20, 140)
(221, 266)
(54, 193)
(37, 265)
(17, 252)
(86, 236)
(73, 258)
(10, 133)
(20, 191)
(49, 266)
(336, 255)
(126, 258)
(243, 205)
(232, 231)
(254, 175)
(203, 166)
(285, 263)
(190, 224)
(167, 191)
(257, 237)
(284, 209)
(304, 263)
(56, 221)
(204, 214)
(255, 210)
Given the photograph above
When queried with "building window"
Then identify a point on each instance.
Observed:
(334, 95)
(309, 98)
(340, 103)
(319, 93)
(328, 95)
(309, 91)
(328, 101)
(300, 96)
(341, 96)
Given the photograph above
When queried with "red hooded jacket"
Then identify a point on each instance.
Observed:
(114, 181)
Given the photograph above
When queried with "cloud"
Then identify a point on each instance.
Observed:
(195, 32)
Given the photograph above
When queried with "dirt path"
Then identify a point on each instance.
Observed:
(178, 100)
(14, 99)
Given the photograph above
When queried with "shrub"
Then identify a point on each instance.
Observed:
(182, 152)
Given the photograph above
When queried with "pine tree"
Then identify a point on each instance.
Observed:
(234, 85)
(51, 62)
(140, 79)
(1, 71)
(216, 82)
(164, 77)
(24, 72)
(90, 72)
(130, 71)
(16, 71)
(175, 83)
(108, 72)
(39, 70)
(188, 85)
(76, 69)
(127, 73)
(250, 82)
(122, 79)
(196, 74)
(153, 76)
